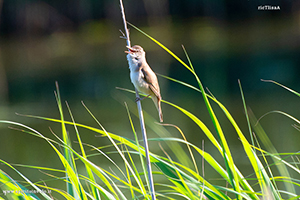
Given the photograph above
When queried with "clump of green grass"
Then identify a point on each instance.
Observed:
(177, 177)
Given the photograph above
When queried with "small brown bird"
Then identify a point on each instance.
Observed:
(142, 76)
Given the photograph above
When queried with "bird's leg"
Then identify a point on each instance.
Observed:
(140, 99)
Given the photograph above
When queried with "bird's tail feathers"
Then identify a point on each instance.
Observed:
(158, 106)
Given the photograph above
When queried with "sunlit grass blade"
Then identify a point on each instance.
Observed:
(68, 155)
(262, 176)
(160, 129)
(252, 156)
(71, 174)
(226, 152)
(95, 192)
(287, 180)
(204, 129)
(246, 113)
(230, 166)
(183, 180)
(12, 189)
(184, 189)
(115, 145)
(63, 193)
(278, 160)
(162, 46)
(208, 133)
(283, 86)
(247, 146)
(162, 165)
(188, 146)
(16, 187)
(128, 173)
(140, 154)
(188, 58)
(167, 167)
(177, 81)
(270, 147)
(127, 184)
(73, 179)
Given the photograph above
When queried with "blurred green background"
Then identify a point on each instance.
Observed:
(76, 42)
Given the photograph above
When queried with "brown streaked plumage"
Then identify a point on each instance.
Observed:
(142, 76)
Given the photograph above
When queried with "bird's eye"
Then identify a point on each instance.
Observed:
(136, 58)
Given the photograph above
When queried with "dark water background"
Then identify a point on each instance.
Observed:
(77, 44)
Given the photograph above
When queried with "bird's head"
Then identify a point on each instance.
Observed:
(136, 52)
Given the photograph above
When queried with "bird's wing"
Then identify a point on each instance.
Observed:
(152, 81)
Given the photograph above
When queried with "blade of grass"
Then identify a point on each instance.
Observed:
(17, 186)
(69, 169)
(226, 152)
(184, 189)
(160, 130)
(112, 141)
(246, 113)
(95, 192)
(283, 86)
(139, 150)
(203, 127)
(68, 155)
(247, 147)
(270, 147)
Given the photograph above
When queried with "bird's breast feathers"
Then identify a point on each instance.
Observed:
(142, 76)
(137, 78)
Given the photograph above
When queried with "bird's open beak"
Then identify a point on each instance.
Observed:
(131, 50)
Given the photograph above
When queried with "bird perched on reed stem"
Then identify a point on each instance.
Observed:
(142, 76)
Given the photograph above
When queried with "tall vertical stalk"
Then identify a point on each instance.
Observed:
(140, 111)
